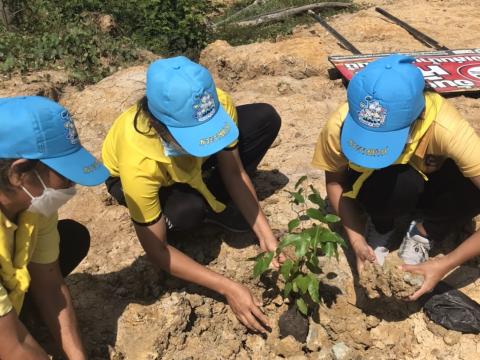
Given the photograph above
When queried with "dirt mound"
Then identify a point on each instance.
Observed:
(97, 106)
(51, 84)
(388, 280)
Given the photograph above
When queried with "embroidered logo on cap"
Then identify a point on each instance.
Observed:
(72, 134)
(367, 151)
(204, 107)
(220, 134)
(372, 113)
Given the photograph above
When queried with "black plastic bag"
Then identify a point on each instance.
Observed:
(452, 309)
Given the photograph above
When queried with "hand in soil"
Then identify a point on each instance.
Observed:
(389, 280)
(363, 253)
(432, 271)
(246, 308)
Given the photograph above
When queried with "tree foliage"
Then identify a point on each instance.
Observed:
(64, 34)
(309, 235)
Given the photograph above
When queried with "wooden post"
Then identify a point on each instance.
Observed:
(5, 14)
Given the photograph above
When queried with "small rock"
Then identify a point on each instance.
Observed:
(317, 337)
(284, 88)
(372, 321)
(195, 300)
(324, 354)
(413, 279)
(218, 308)
(298, 357)
(255, 344)
(451, 338)
(278, 300)
(340, 351)
(325, 318)
(288, 347)
(204, 311)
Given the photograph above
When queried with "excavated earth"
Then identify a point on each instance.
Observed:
(127, 310)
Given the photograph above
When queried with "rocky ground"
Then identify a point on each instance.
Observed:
(127, 311)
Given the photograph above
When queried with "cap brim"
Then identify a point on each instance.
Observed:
(81, 167)
(371, 149)
(207, 138)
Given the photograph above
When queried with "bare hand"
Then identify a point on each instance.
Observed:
(363, 252)
(271, 245)
(432, 271)
(246, 308)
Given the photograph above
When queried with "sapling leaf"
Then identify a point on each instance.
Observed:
(328, 248)
(293, 224)
(256, 257)
(313, 288)
(311, 267)
(286, 268)
(289, 239)
(287, 289)
(302, 307)
(315, 235)
(300, 181)
(301, 247)
(262, 264)
(331, 218)
(330, 236)
(302, 283)
(316, 199)
(321, 202)
(297, 197)
(312, 264)
(315, 214)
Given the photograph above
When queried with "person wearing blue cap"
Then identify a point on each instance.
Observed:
(182, 157)
(397, 152)
(41, 160)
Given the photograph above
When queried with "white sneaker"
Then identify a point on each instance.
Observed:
(415, 247)
(378, 241)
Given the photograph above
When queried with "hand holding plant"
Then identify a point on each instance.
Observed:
(308, 235)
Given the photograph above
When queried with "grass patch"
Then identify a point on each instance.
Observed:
(238, 35)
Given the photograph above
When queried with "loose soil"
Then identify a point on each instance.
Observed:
(127, 310)
(388, 280)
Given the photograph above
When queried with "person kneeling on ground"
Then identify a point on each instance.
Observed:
(41, 160)
(175, 160)
(401, 153)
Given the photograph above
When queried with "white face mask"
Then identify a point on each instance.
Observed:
(50, 200)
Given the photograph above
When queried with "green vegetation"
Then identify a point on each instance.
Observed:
(39, 34)
(237, 35)
(308, 234)
(52, 34)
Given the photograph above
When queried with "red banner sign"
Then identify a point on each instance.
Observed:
(445, 71)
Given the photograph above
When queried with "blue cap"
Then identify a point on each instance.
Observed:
(384, 99)
(181, 95)
(34, 127)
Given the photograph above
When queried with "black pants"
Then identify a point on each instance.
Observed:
(447, 198)
(185, 208)
(74, 246)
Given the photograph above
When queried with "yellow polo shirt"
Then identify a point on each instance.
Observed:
(138, 159)
(451, 137)
(43, 247)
